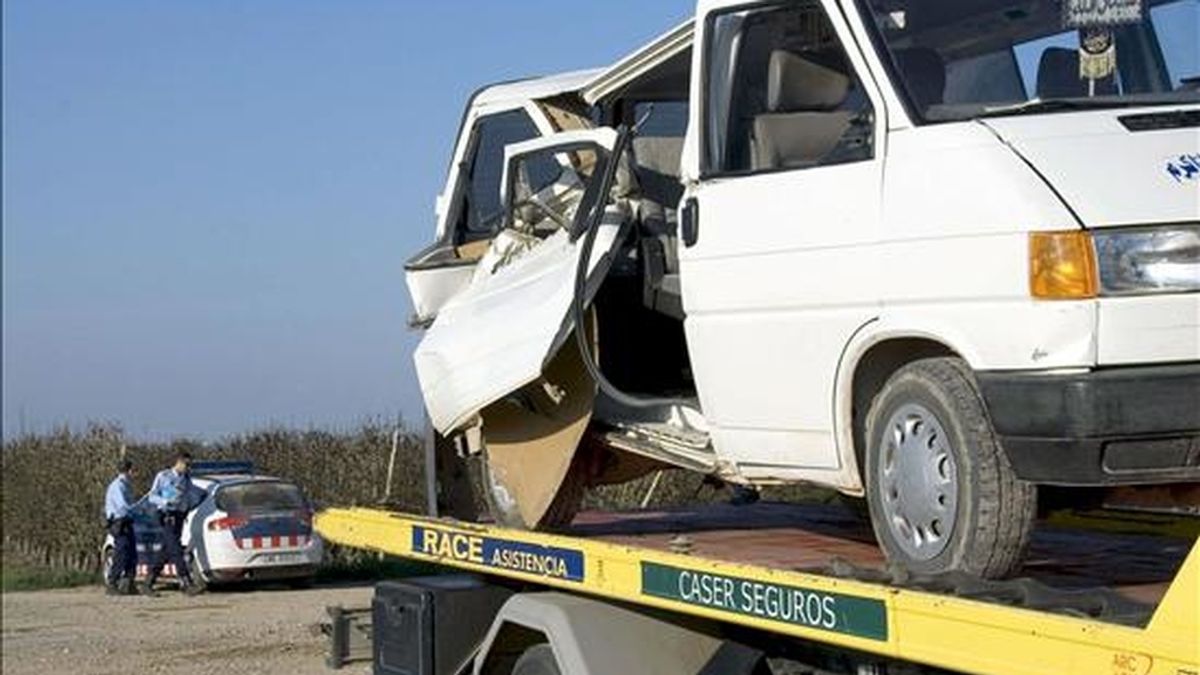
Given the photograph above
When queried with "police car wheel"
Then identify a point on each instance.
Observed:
(196, 573)
(301, 583)
(106, 562)
(537, 660)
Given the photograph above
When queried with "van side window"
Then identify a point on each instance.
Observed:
(657, 149)
(661, 119)
(480, 211)
(781, 93)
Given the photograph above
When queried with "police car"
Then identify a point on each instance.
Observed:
(246, 527)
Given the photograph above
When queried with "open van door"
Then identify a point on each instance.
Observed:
(469, 207)
(502, 329)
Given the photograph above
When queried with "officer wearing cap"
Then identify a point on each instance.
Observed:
(173, 495)
(118, 512)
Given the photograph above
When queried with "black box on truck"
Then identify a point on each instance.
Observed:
(431, 625)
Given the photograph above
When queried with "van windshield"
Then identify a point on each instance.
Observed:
(972, 58)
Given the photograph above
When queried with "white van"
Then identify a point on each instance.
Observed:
(935, 254)
(470, 206)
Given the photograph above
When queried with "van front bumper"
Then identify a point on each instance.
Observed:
(1111, 426)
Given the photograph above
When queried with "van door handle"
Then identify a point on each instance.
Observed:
(689, 222)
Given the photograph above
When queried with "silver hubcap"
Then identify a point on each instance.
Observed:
(918, 482)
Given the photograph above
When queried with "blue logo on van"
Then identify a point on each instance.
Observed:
(1184, 167)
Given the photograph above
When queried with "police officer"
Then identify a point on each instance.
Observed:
(118, 511)
(173, 494)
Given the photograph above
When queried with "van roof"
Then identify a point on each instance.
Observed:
(518, 91)
(593, 83)
(638, 62)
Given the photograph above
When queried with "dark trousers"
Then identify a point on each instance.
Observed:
(172, 524)
(124, 561)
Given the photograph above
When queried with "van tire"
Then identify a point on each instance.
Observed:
(562, 510)
(993, 510)
(537, 660)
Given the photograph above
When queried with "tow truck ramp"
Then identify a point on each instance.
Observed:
(954, 624)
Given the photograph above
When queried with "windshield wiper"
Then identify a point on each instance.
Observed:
(1040, 105)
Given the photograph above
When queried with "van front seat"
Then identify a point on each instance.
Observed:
(803, 122)
(656, 163)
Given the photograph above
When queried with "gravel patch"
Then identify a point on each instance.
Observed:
(81, 630)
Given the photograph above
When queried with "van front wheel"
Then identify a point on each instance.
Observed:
(941, 493)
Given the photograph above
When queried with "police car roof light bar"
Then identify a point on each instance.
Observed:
(222, 466)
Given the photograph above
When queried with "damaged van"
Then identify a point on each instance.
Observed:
(469, 209)
(935, 254)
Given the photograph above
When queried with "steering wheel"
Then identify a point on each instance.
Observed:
(539, 205)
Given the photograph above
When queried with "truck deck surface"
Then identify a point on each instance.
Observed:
(808, 537)
(1096, 599)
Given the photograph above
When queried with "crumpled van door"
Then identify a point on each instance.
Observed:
(499, 332)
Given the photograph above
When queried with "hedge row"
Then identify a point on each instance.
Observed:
(53, 484)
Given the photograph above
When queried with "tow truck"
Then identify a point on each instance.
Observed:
(940, 256)
(805, 590)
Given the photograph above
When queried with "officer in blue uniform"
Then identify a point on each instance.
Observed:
(173, 495)
(118, 512)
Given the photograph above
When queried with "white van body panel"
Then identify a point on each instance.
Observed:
(493, 104)
(431, 288)
(638, 63)
(602, 136)
(1149, 329)
(765, 325)
(1106, 173)
(959, 180)
(897, 116)
(1111, 176)
(763, 352)
(959, 273)
(534, 88)
(496, 334)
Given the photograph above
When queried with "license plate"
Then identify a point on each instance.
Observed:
(279, 558)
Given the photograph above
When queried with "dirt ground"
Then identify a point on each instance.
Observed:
(248, 631)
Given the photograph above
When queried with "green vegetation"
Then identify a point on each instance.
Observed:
(53, 484)
(53, 491)
(24, 577)
(348, 565)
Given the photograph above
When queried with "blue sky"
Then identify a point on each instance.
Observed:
(207, 205)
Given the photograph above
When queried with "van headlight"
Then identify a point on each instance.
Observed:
(1134, 261)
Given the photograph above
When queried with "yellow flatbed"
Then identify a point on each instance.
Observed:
(802, 576)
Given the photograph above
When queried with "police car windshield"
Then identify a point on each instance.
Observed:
(260, 496)
(971, 58)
